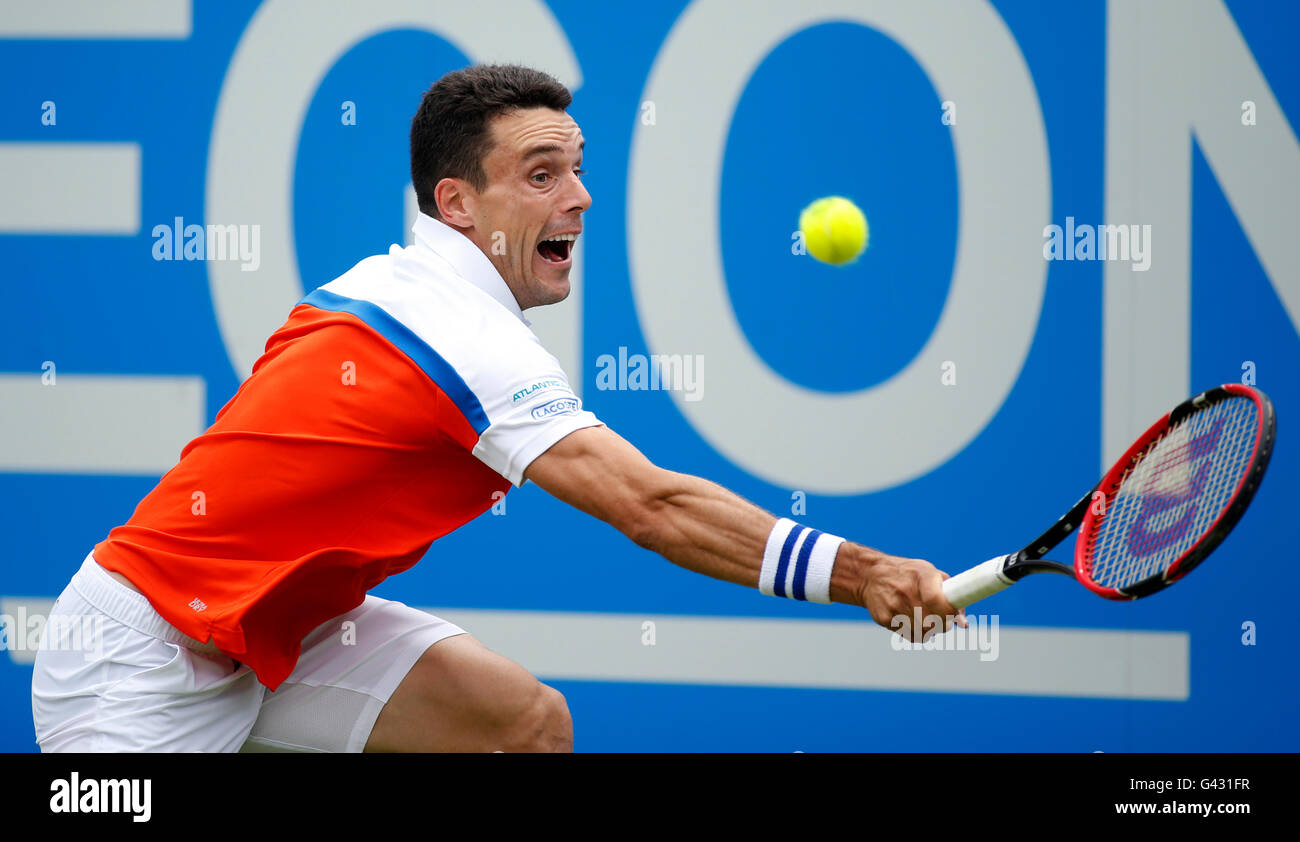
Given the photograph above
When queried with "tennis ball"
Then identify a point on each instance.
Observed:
(834, 230)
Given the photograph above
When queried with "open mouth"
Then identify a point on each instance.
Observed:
(557, 249)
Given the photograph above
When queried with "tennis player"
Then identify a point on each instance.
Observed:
(398, 402)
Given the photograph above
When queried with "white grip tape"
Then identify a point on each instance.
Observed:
(973, 585)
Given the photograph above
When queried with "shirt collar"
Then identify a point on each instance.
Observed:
(466, 258)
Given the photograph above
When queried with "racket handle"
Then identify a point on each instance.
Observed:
(980, 581)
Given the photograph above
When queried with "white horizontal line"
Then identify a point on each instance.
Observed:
(831, 654)
(87, 424)
(96, 19)
(67, 188)
(1087, 663)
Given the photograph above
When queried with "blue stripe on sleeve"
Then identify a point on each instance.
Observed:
(405, 340)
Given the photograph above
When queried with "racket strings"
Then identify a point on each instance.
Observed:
(1183, 489)
(1172, 493)
(1176, 456)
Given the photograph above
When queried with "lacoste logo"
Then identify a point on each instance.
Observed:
(559, 406)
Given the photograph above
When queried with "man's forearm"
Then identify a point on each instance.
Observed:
(703, 527)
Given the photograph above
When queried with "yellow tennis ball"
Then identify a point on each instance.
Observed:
(834, 230)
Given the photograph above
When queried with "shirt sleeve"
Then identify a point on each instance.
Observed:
(508, 399)
(529, 406)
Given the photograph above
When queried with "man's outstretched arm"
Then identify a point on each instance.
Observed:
(704, 527)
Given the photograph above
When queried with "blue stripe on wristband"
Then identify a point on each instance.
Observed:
(801, 567)
(804, 556)
(783, 563)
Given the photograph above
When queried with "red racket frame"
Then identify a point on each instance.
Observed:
(1222, 525)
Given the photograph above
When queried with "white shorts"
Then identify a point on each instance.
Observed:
(113, 676)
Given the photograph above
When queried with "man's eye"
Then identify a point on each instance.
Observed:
(579, 172)
(540, 178)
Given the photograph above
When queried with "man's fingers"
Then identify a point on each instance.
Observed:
(913, 589)
(930, 586)
(932, 596)
(958, 618)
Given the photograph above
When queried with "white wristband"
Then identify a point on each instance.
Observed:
(797, 562)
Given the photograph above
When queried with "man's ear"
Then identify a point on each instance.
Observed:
(456, 201)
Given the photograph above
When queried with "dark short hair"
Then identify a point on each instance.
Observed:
(451, 133)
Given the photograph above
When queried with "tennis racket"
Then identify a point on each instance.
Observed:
(1164, 506)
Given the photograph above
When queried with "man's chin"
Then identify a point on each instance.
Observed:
(553, 292)
(550, 285)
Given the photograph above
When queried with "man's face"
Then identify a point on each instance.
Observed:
(528, 216)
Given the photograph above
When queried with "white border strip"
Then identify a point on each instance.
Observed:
(67, 188)
(1086, 663)
(86, 424)
(1089, 663)
(97, 19)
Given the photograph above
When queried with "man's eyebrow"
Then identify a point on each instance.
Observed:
(548, 149)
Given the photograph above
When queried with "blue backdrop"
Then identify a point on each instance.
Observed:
(833, 107)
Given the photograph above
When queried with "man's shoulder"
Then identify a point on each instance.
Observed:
(440, 320)
(425, 296)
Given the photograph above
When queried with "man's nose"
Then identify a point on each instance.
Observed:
(581, 199)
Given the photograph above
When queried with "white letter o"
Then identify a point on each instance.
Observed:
(875, 438)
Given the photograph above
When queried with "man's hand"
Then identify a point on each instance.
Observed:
(891, 587)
